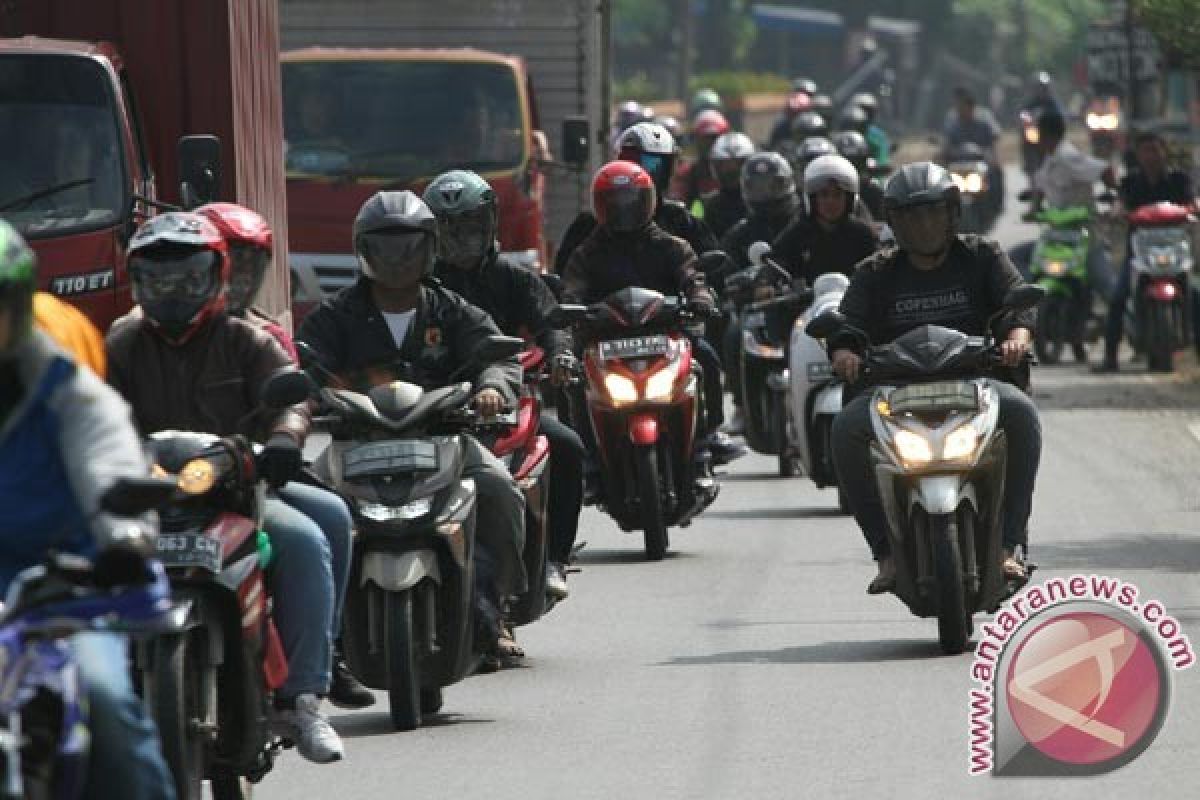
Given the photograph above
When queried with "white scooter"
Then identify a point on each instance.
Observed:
(814, 393)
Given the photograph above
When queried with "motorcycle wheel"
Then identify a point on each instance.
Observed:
(1159, 356)
(843, 502)
(431, 701)
(403, 663)
(787, 461)
(650, 502)
(175, 703)
(231, 787)
(947, 564)
(1050, 330)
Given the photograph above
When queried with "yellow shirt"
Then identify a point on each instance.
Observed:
(71, 329)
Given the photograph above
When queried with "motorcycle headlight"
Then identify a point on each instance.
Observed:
(1055, 267)
(197, 477)
(621, 390)
(959, 181)
(660, 385)
(912, 448)
(384, 513)
(973, 183)
(961, 443)
(1031, 135)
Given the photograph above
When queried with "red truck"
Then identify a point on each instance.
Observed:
(357, 121)
(95, 98)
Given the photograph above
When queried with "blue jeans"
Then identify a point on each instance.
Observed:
(125, 751)
(302, 584)
(333, 518)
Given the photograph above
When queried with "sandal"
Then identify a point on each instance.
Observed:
(507, 650)
(1013, 567)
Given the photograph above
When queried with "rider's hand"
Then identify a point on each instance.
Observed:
(563, 369)
(488, 402)
(847, 365)
(281, 459)
(1014, 348)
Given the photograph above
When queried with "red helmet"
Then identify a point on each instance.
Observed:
(250, 245)
(623, 196)
(179, 265)
(710, 123)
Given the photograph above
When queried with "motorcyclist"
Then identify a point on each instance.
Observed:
(967, 123)
(628, 114)
(877, 138)
(808, 124)
(852, 146)
(1041, 96)
(826, 237)
(65, 438)
(183, 364)
(770, 190)
(705, 99)
(651, 147)
(815, 147)
(725, 207)
(823, 104)
(933, 276)
(1154, 181)
(670, 125)
(518, 301)
(250, 241)
(797, 102)
(627, 249)
(399, 314)
(695, 178)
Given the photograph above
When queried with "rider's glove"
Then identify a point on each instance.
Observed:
(281, 459)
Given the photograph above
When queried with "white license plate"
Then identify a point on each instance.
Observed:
(396, 455)
(634, 347)
(189, 550)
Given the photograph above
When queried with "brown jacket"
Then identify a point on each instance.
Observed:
(211, 383)
(650, 258)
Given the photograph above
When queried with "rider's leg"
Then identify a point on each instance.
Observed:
(566, 487)
(1020, 422)
(852, 437)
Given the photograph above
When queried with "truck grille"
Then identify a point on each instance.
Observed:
(317, 275)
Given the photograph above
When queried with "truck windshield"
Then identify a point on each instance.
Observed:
(397, 121)
(60, 143)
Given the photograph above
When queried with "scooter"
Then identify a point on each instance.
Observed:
(44, 732)
(1103, 120)
(1059, 265)
(973, 175)
(643, 402)
(939, 458)
(410, 624)
(1159, 312)
(1031, 153)
(814, 394)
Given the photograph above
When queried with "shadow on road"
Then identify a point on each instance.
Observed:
(823, 653)
(735, 477)
(634, 555)
(363, 724)
(1169, 552)
(775, 513)
(1127, 392)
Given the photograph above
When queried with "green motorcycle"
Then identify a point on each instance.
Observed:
(1059, 265)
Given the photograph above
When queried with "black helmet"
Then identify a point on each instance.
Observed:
(811, 149)
(806, 85)
(823, 105)
(808, 123)
(867, 102)
(853, 147)
(912, 201)
(854, 118)
(395, 238)
(767, 179)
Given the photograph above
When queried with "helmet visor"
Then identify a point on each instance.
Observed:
(657, 165)
(249, 269)
(627, 210)
(728, 172)
(464, 239)
(762, 188)
(397, 259)
(922, 229)
(173, 288)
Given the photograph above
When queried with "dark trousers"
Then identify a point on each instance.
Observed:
(853, 434)
(714, 400)
(1115, 325)
(566, 487)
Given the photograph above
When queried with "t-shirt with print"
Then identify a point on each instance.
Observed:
(888, 296)
(399, 323)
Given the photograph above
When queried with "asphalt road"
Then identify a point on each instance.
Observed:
(751, 663)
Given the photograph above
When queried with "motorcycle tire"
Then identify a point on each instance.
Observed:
(953, 622)
(1159, 354)
(1051, 330)
(403, 660)
(226, 786)
(650, 502)
(177, 671)
(431, 701)
(787, 461)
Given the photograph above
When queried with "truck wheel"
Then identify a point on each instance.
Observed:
(650, 501)
(176, 703)
(947, 564)
(403, 661)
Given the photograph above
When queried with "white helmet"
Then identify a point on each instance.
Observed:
(732, 145)
(830, 170)
(648, 137)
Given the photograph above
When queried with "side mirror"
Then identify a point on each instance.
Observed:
(286, 388)
(714, 262)
(498, 348)
(576, 141)
(757, 252)
(199, 169)
(1023, 297)
(826, 324)
(567, 314)
(129, 497)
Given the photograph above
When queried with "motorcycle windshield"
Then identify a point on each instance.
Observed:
(926, 351)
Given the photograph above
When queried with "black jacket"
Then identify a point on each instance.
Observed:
(808, 251)
(671, 216)
(1137, 190)
(352, 339)
(889, 297)
(723, 209)
(517, 299)
(651, 258)
(754, 228)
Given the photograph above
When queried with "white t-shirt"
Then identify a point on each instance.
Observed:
(399, 325)
(1067, 176)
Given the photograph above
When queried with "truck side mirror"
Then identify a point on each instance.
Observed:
(576, 141)
(199, 169)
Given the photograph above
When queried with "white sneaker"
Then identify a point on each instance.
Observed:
(736, 425)
(315, 738)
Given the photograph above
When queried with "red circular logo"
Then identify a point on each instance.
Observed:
(1084, 688)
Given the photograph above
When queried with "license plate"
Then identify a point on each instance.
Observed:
(397, 455)
(189, 550)
(635, 347)
(939, 396)
(819, 370)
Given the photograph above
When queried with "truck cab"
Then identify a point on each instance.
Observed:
(360, 121)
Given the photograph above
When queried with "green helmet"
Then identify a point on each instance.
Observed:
(466, 211)
(18, 281)
(704, 100)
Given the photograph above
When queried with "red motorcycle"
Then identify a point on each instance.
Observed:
(645, 405)
(1159, 312)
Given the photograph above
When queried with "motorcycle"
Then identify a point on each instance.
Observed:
(1159, 312)
(814, 394)
(1031, 154)
(1103, 119)
(209, 679)
(939, 458)
(644, 402)
(396, 456)
(972, 174)
(44, 739)
(1059, 265)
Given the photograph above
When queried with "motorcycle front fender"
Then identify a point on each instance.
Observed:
(395, 572)
(941, 494)
(828, 400)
